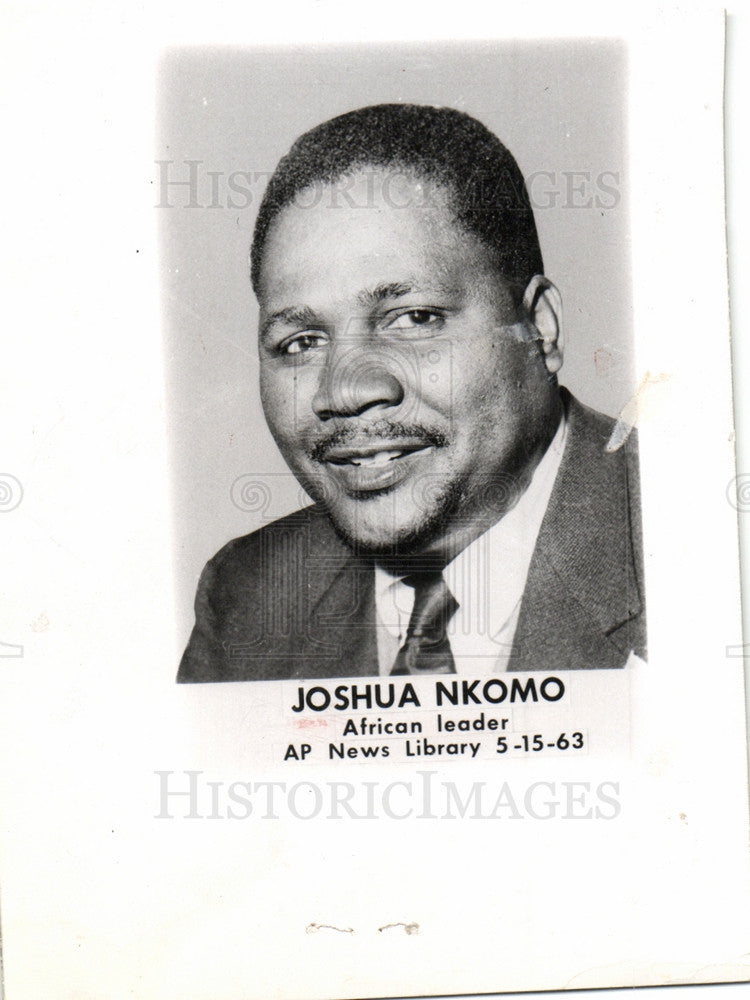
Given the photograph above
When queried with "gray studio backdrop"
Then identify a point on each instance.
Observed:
(225, 118)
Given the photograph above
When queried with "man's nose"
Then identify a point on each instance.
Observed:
(355, 380)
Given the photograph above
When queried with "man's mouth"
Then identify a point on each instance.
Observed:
(371, 458)
(374, 466)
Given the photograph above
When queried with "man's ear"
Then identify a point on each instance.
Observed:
(542, 306)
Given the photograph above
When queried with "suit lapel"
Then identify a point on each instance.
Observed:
(339, 636)
(582, 589)
(344, 617)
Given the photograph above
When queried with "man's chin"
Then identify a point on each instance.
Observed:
(393, 541)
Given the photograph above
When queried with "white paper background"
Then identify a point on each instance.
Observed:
(98, 898)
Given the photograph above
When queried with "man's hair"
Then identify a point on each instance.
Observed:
(485, 187)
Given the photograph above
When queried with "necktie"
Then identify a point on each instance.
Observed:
(426, 648)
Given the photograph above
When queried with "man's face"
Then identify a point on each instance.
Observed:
(398, 381)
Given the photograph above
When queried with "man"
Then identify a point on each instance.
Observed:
(470, 516)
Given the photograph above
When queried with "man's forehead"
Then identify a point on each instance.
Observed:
(361, 197)
(354, 247)
(368, 282)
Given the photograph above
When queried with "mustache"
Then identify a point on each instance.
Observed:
(386, 430)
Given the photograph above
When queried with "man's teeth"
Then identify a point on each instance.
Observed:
(380, 458)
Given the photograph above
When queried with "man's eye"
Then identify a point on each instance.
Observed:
(415, 319)
(301, 343)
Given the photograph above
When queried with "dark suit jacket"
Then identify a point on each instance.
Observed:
(293, 601)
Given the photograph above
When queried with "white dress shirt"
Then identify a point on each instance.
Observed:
(487, 578)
